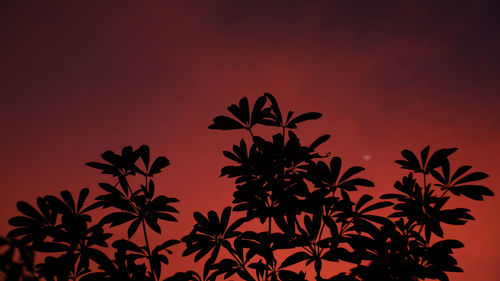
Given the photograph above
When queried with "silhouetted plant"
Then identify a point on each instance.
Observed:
(307, 208)
(16, 261)
(63, 225)
(305, 203)
(400, 251)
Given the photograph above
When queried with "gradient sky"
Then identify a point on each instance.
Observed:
(78, 78)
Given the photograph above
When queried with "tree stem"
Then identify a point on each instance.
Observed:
(269, 237)
(148, 249)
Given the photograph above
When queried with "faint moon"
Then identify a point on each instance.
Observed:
(367, 157)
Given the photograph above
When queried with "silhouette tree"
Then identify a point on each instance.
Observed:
(62, 226)
(306, 205)
(296, 208)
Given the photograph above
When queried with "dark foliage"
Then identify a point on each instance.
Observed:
(62, 226)
(16, 261)
(307, 207)
(293, 208)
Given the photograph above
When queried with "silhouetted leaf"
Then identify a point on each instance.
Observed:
(448, 244)
(231, 156)
(50, 247)
(410, 162)
(144, 153)
(167, 244)
(165, 216)
(153, 223)
(457, 216)
(245, 110)
(159, 163)
(475, 192)
(224, 218)
(424, 154)
(105, 168)
(319, 141)
(118, 218)
(23, 221)
(439, 157)
(459, 172)
(295, 258)
(304, 117)
(237, 224)
(378, 205)
(335, 165)
(351, 172)
(81, 198)
(257, 114)
(133, 228)
(68, 199)
(225, 123)
(351, 185)
(472, 177)
(108, 187)
(29, 211)
(362, 201)
(275, 109)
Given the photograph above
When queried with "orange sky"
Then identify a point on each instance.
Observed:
(77, 79)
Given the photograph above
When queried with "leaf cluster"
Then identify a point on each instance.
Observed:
(420, 211)
(307, 207)
(293, 209)
(62, 226)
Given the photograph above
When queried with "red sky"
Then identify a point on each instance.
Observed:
(77, 79)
